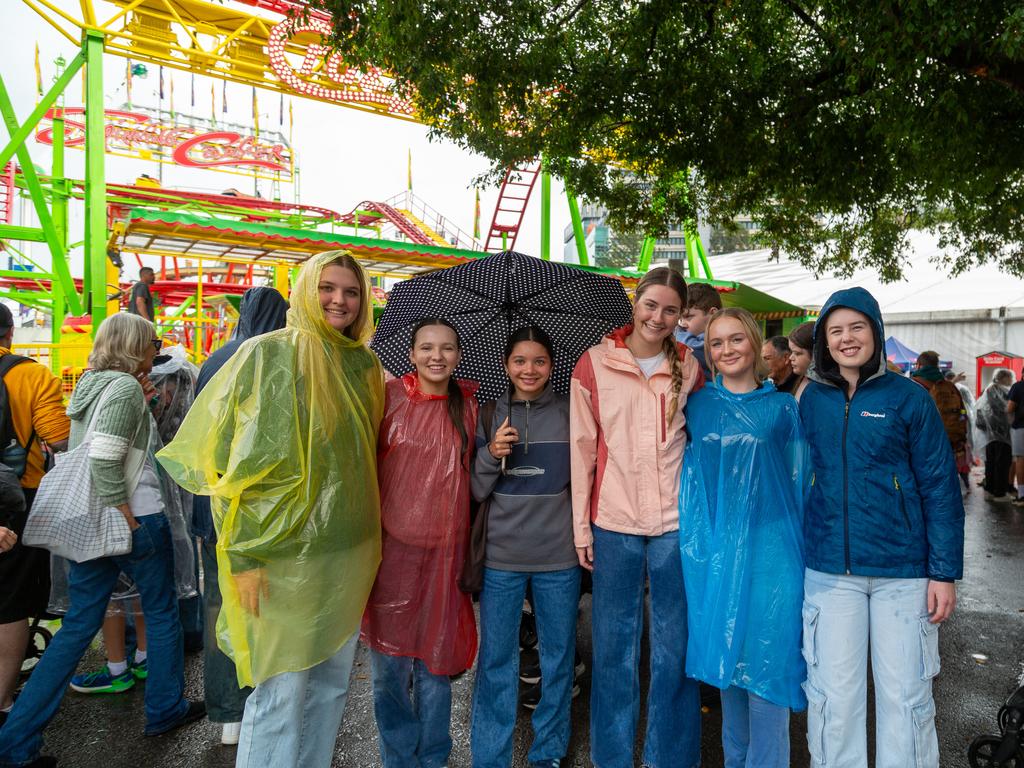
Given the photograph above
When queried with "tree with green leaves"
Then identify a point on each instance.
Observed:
(837, 126)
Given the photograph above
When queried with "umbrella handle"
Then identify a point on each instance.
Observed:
(503, 465)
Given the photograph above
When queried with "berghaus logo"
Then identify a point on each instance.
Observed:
(870, 415)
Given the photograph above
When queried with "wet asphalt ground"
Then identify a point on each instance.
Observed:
(982, 650)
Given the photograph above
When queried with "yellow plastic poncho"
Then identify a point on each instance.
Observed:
(283, 439)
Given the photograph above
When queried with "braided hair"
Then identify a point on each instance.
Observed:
(671, 279)
(456, 402)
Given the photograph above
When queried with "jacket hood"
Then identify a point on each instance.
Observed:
(90, 387)
(261, 310)
(823, 368)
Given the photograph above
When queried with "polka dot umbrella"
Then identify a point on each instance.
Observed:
(488, 299)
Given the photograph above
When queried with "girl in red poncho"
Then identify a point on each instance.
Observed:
(419, 626)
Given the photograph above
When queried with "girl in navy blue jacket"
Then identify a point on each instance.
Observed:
(884, 543)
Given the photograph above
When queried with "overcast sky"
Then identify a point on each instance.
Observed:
(345, 156)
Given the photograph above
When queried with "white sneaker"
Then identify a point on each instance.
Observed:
(230, 733)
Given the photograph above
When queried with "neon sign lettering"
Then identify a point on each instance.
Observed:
(192, 146)
(335, 81)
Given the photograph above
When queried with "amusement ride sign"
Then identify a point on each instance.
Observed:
(323, 73)
(183, 140)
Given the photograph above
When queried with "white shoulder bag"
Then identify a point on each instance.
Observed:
(66, 517)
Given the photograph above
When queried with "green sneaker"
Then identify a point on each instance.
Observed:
(103, 682)
(140, 670)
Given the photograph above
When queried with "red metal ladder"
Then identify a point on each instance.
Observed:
(513, 198)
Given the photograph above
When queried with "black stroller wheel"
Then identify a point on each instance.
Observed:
(983, 750)
(1004, 717)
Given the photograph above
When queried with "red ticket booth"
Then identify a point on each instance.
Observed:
(991, 362)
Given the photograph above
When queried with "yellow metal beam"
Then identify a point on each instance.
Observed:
(229, 43)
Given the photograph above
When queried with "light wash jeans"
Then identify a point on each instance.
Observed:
(413, 708)
(291, 720)
(842, 617)
(623, 563)
(755, 732)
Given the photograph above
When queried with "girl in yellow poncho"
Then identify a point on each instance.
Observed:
(283, 440)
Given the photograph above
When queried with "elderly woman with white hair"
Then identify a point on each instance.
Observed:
(109, 398)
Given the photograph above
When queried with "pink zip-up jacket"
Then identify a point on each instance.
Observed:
(626, 448)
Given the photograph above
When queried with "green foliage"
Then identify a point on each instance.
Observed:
(838, 126)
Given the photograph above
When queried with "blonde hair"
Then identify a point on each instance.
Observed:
(753, 333)
(670, 279)
(121, 343)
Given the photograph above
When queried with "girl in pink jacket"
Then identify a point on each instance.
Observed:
(627, 434)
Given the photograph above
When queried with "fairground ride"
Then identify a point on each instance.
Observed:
(232, 239)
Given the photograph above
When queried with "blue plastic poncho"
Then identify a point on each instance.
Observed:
(741, 500)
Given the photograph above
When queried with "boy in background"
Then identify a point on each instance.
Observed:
(702, 301)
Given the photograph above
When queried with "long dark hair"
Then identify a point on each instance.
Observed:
(456, 402)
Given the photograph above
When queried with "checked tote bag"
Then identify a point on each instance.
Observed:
(67, 518)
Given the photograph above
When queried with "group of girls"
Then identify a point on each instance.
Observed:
(342, 507)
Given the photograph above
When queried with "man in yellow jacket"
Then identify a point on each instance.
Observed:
(36, 413)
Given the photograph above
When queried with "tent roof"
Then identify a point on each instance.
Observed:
(899, 352)
(925, 288)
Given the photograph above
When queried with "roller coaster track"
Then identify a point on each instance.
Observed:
(369, 211)
(513, 198)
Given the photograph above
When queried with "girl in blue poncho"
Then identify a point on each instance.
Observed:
(740, 516)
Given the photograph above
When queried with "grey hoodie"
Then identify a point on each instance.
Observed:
(529, 523)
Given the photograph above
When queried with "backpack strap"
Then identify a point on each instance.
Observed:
(487, 416)
(7, 432)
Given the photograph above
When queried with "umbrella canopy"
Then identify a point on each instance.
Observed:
(489, 298)
(899, 352)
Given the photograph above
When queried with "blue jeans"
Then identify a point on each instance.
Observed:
(622, 564)
(556, 597)
(843, 616)
(755, 732)
(90, 584)
(225, 701)
(413, 708)
(292, 719)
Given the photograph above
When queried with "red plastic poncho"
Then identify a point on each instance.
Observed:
(416, 608)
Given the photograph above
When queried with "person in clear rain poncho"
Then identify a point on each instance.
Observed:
(283, 441)
(741, 498)
(992, 435)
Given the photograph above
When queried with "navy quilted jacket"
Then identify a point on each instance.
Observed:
(885, 497)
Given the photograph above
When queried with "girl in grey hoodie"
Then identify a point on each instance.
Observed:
(522, 471)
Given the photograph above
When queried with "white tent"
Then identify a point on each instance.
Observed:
(959, 317)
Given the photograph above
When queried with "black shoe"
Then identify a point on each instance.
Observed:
(196, 711)
(43, 761)
(529, 668)
(530, 698)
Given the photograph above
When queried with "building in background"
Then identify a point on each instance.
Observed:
(609, 248)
